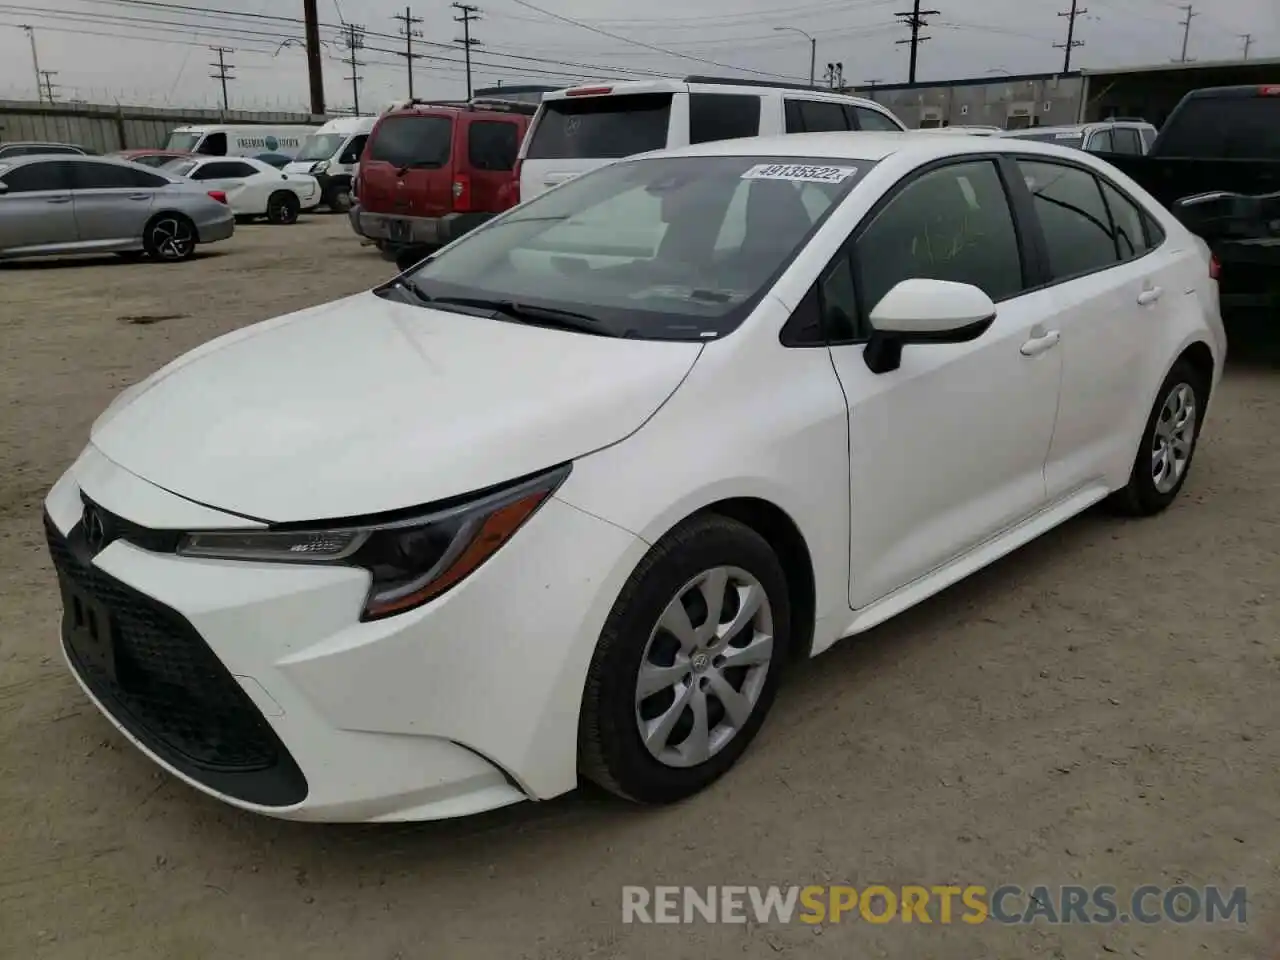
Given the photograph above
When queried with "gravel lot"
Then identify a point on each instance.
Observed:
(1100, 708)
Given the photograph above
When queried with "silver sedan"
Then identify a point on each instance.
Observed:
(60, 205)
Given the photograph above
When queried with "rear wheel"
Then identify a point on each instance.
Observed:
(169, 238)
(283, 208)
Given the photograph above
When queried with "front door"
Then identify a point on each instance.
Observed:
(35, 206)
(948, 450)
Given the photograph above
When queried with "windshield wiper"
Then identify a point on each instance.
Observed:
(527, 313)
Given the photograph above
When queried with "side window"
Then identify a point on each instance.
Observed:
(1126, 140)
(30, 177)
(1127, 220)
(354, 149)
(722, 116)
(869, 119)
(237, 169)
(214, 145)
(1074, 219)
(1100, 142)
(1148, 138)
(492, 145)
(952, 223)
(838, 302)
(107, 176)
(794, 122)
(820, 116)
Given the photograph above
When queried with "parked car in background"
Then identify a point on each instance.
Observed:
(433, 171)
(1133, 137)
(976, 130)
(253, 189)
(1216, 162)
(535, 511)
(150, 157)
(240, 140)
(582, 128)
(34, 147)
(332, 156)
(59, 205)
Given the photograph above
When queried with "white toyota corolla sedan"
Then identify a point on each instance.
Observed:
(253, 187)
(564, 500)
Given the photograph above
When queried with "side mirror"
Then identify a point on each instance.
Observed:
(925, 311)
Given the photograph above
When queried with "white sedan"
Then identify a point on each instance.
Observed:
(253, 188)
(540, 509)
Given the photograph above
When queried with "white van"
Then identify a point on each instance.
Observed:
(582, 128)
(261, 140)
(332, 156)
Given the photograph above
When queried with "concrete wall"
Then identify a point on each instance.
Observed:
(1050, 100)
(105, 128)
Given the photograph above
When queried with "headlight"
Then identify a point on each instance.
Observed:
(320, 166)
(411, 559)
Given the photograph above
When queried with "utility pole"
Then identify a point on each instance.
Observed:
(1186, 31)
(222, 74)
(409, 22)
(315, 70)
(354, 39)
(1072, 42)
(469, 13)
(1248, 42)
(47, 76)
(915, 20)
(35, 60)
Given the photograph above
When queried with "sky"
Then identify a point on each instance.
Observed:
(156, 52)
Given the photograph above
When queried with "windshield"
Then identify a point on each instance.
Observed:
(179, 168)
(185, 142)
(668, 248)
(321, 146)
(601, 127)
(1061, 139)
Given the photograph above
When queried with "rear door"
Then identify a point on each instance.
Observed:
(408, 166)
(484, 183)
(574, 134)
(35, 206)
(111, 203)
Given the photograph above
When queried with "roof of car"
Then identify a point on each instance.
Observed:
(68, 158)
(719, 84)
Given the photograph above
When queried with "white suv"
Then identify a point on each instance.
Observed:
(1106, 136)
(582, 128)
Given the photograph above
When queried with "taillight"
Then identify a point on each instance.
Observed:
(461, 193)
(1215, 267)
(1270, 91)
(218, 195)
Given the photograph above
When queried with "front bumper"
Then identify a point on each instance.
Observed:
(403, 231)
(257, 683)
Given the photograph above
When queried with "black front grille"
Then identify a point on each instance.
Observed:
(154, 673)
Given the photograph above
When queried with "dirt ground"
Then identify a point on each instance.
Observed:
(1100, 708)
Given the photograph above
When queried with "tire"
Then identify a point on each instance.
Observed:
(283, 208)
(1164, 455)
(407, 257)
(338, 198)
(678, 574)
(169, 238)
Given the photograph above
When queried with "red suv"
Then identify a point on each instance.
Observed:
(430, 172)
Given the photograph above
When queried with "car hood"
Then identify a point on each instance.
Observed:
(365, 405)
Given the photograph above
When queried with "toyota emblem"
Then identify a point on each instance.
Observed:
(95, 531)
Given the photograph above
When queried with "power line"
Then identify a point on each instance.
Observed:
(1186, 31)
(222, 74)
(1071, 43)
(409, 29)
(468, 13)
(915, 20)
(354, 41)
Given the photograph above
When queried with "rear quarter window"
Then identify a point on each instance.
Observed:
(492, 145)
(603, 128)
(722, 116)
(406, 141)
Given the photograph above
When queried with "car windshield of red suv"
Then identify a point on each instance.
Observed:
(412, 141)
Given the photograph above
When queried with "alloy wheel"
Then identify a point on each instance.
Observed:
(1174, 437)
(704, 667)
(174, 239)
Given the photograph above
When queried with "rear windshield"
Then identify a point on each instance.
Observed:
(412, 141)
(603, 128)
(1061, 139)
(185, 142)
(669, 248)
(1224, 128)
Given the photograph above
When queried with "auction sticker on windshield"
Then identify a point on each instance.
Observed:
(799, 173)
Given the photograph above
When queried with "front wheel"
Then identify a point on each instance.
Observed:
(169, 238)
(1168, 444)
(283, 208)
(338, 198)
(688, 663)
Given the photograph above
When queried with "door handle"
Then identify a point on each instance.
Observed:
(1149, 296)
(1038, 345)
(139, 196)
(58, 200)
